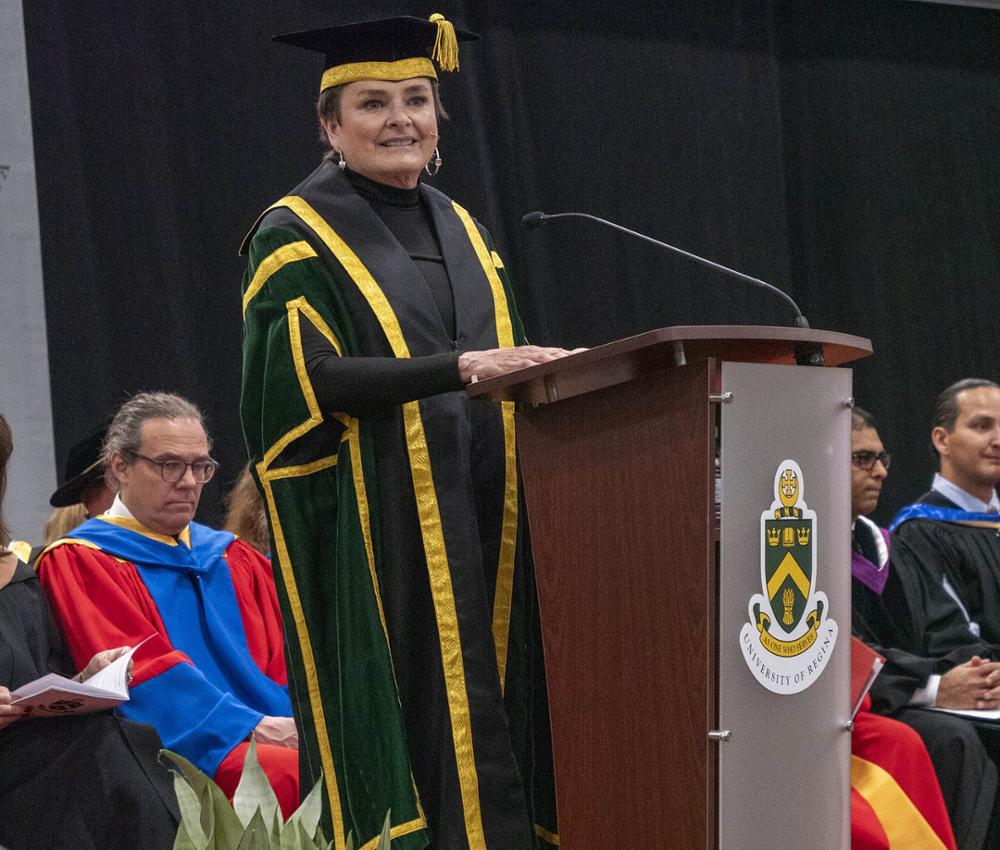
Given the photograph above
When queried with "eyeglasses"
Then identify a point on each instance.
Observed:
(173, 470)
(865, 459)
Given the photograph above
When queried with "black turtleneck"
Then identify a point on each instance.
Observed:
(410, 222)
(359, 385)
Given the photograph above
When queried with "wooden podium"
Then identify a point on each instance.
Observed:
(617, 448)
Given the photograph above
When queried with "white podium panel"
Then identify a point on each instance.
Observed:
(784, 608)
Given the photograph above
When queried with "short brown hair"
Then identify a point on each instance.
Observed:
(946, 407)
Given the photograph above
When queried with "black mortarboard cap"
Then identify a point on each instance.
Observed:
(84, 465)
(388, 49)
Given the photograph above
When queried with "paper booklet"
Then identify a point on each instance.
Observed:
(866, 664)
(974, 713)
(53, 694)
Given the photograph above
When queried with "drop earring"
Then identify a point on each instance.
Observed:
(436, 161)
(341, 163)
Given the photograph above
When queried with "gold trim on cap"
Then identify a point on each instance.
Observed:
(401, 69)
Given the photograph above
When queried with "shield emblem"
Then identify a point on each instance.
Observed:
(788, 567)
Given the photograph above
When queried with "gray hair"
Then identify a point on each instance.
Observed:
(125, 431)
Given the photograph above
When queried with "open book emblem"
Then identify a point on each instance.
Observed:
(790, 636)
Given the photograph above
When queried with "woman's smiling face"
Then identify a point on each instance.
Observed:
(387, 131)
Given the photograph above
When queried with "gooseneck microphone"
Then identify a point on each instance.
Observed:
(537, 219)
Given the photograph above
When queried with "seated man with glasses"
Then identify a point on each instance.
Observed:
(933, 658)
(921, 627)
(212, 673)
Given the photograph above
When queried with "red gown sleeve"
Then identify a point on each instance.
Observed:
(100, 602)
(257, 599)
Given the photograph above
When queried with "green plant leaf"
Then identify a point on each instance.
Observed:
(210, 822)
(198, 782)
(276, 825)
(207, 815)
(287, 840)
(384, 840)
(190, 809)
(183, 840)
(303, 839)
(256, 837)
(309, 811)
(218, 820)
(254, 792)
(228, 829)
(294, 837)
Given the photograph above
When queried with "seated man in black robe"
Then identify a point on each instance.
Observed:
(86, 782)
(933, 659)
(952, 534)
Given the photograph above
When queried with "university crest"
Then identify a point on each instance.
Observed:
(790, 636)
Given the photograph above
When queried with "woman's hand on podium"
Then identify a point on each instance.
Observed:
(480, 365)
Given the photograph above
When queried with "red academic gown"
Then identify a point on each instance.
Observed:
(102, 601)
(896, 801)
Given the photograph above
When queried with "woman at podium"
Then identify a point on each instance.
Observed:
(370, 301)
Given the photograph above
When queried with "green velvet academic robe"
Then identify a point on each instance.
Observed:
(398, 535)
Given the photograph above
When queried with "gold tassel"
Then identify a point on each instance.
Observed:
(445, 43)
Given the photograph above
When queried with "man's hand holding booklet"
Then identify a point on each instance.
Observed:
(53, 694)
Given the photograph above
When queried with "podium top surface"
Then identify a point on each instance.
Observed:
(626, 359)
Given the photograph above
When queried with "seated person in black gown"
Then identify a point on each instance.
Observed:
(952, 533)
(85, 782)
(84, 493)
(932, 657)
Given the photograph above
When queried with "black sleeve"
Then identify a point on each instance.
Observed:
(940, 623)
(903, 673)
(360, 385)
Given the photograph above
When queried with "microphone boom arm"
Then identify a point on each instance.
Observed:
(535, 219)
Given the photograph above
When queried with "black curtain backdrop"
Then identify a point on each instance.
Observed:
(847, 152)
